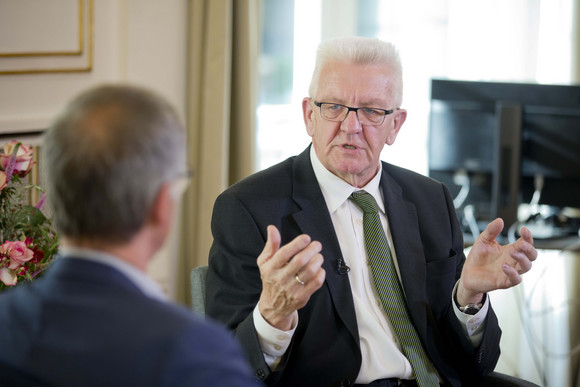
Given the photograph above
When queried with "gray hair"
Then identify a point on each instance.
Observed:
(106, 157)
(360, 50)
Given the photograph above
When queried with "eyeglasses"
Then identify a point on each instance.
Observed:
(366, 115)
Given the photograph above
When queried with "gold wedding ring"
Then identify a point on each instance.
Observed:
(299, 280)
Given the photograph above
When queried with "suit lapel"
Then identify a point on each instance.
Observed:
(404, 225)
(313, 219)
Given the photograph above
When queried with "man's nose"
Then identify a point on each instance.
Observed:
(351, 124)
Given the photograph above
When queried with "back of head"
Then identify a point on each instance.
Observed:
(105, 159)
(364, 51)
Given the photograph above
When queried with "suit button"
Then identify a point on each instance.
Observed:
(480, 356)
(260, 374)
(346, 383)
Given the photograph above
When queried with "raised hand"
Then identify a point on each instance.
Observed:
(490, 266)
(290, 275)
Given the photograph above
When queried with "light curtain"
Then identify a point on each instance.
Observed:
(220, 109)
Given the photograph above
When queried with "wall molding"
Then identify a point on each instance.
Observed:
(24, 126)
(38, 60)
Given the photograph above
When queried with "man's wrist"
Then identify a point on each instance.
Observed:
(283, 323)
(273, 341)
(470, 307)
(463, 297)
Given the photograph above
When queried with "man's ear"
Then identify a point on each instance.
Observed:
(398, 121)
(162, 208)
(307, 114)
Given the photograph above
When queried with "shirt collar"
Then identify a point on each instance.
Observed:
(336, 191)
(136, 276)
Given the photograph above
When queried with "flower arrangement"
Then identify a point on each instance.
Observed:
(28, 242)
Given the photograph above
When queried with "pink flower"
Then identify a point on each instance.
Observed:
(22, 270)
(22, 162)
(8, 277)
(38, 254)
(3, 180)
(17, 252)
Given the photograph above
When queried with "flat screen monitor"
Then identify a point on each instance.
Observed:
(500, 145)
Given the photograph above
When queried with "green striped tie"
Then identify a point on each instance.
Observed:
(390, 291)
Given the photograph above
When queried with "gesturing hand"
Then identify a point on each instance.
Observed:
(490, 266)
(290, 275)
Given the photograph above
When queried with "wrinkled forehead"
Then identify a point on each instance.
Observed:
(355, 83)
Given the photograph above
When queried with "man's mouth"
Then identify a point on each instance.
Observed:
(349, 146)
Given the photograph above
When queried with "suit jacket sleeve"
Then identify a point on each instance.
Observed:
(484, 358)
(463, 359)
(233, 283)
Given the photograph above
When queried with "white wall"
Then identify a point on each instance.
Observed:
(137, 41)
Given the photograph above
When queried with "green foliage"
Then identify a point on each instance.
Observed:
(22, 222)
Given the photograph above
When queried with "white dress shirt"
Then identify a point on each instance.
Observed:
(381, 353)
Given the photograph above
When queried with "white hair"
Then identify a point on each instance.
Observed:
(360, 50)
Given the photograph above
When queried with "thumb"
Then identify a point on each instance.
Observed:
(492, 230)
(272, 244)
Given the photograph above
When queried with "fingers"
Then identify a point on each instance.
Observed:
(280, 256)
(524, 252)
(290, 275)
(312, 275)
(300, 247)
(315, 282)
(522, 263)
(304, 258)
(513, 275)
(492, 266)
(272, 244)
(525, 244)
(492, 230)
(526, 235)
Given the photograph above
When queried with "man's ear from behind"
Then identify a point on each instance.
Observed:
(160, 216)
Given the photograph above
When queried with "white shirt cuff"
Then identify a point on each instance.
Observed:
(473, 325)
(274, 342)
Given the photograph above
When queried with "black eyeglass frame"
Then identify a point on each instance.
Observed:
(355, 110)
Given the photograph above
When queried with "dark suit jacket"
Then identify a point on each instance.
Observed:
(85, 324)
(325, 347)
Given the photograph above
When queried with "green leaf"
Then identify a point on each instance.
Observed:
(30, 216)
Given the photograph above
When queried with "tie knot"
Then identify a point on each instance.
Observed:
(365, 201)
